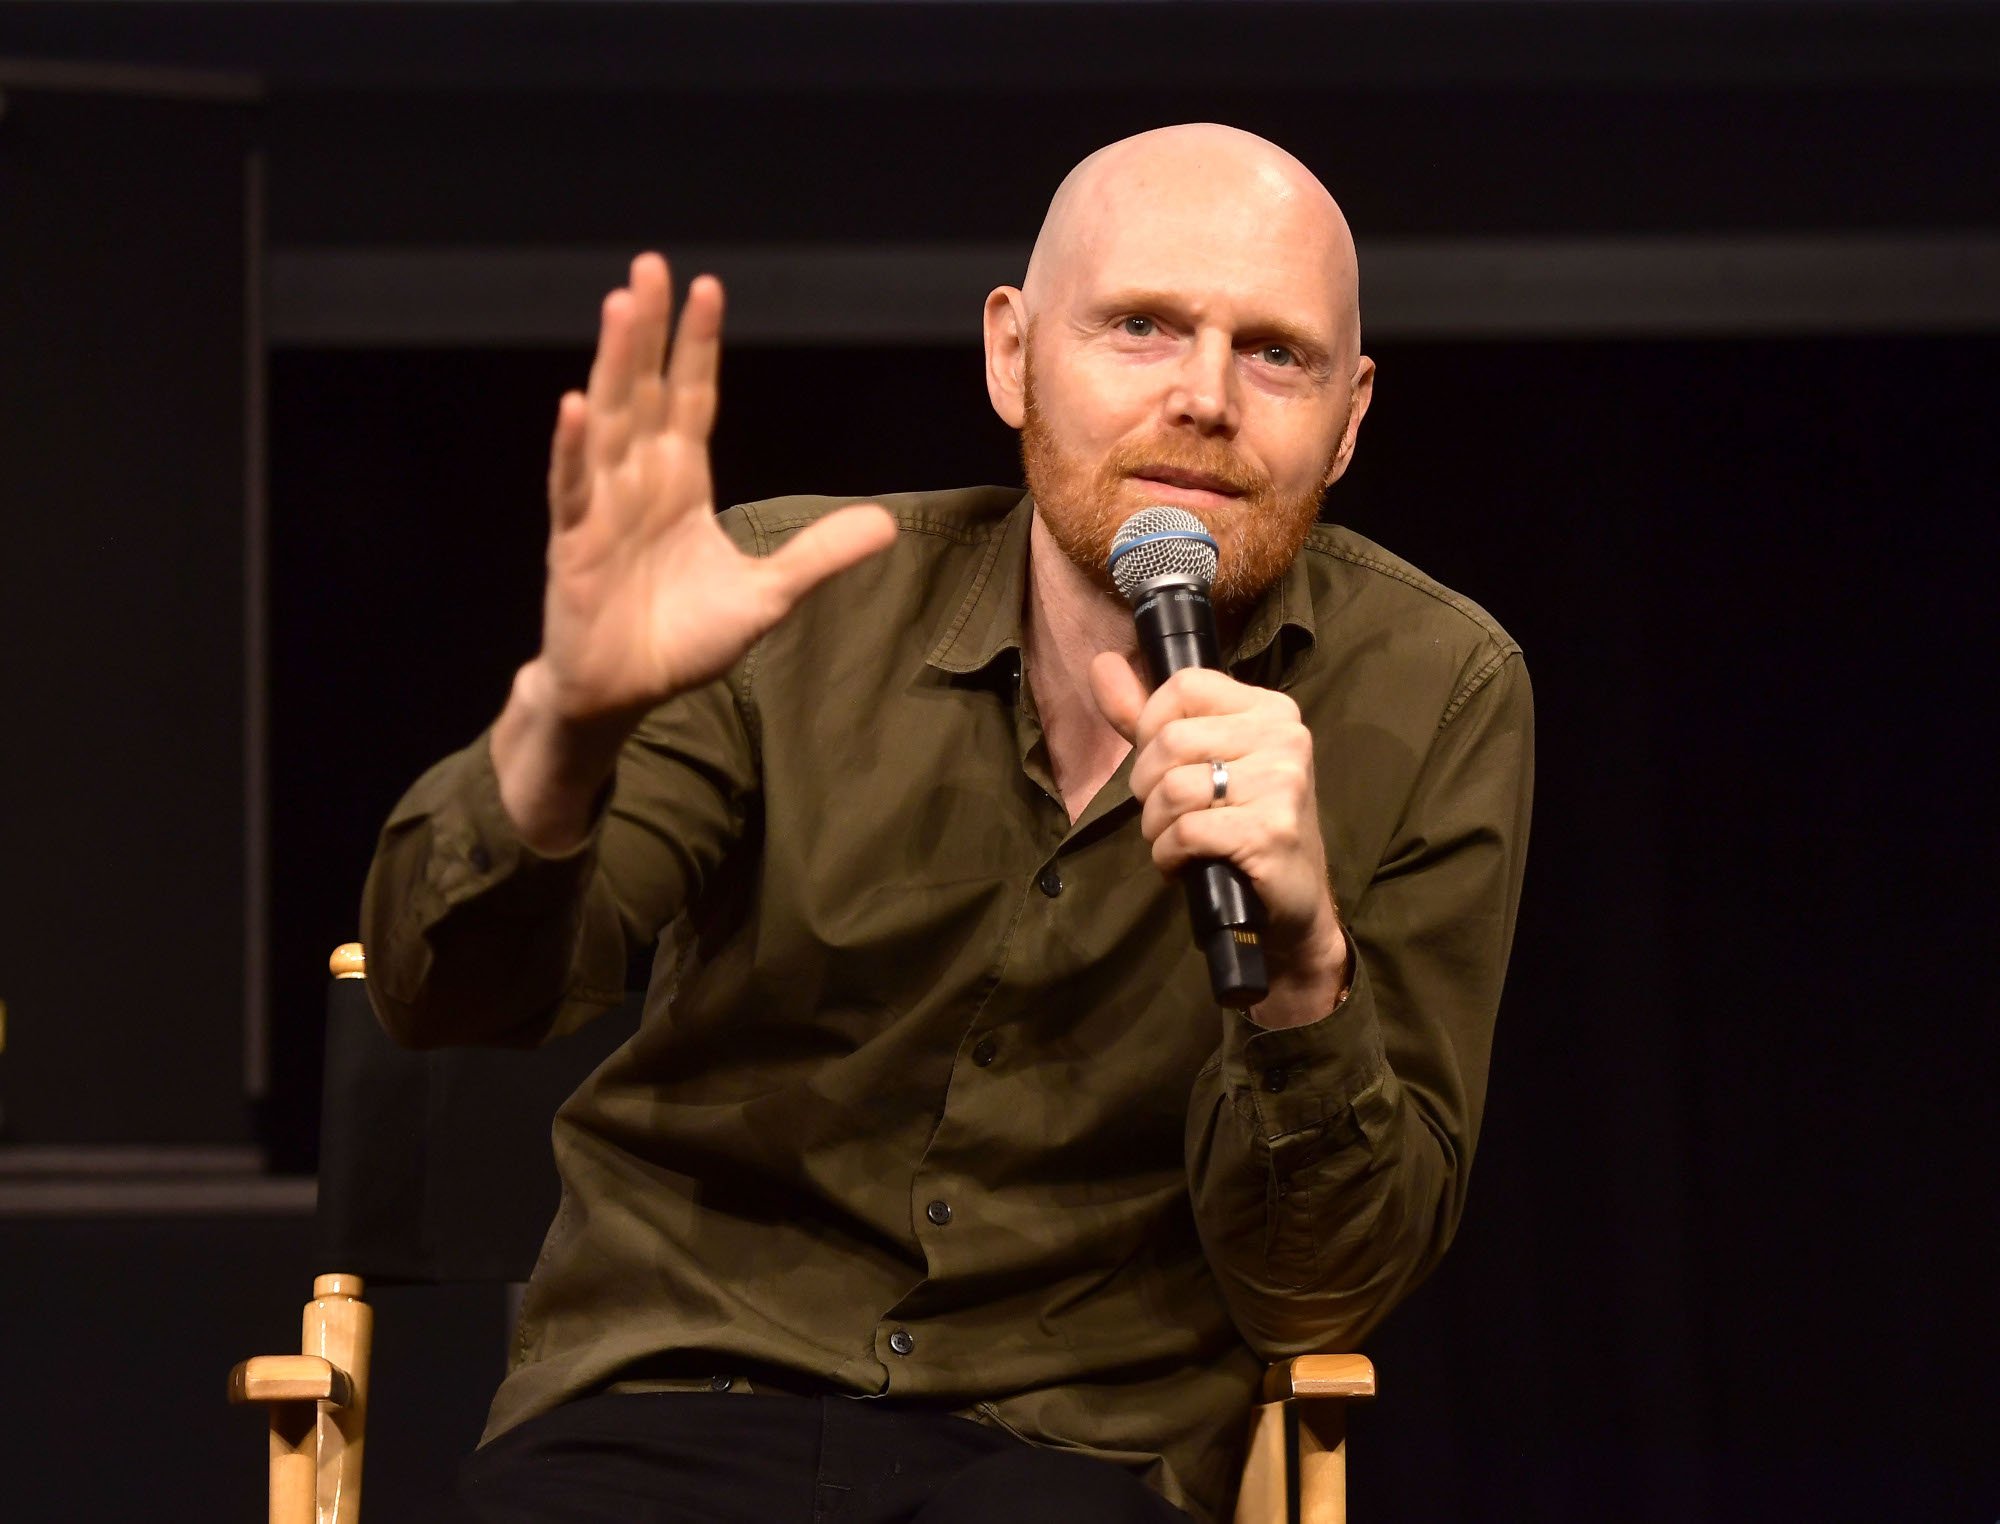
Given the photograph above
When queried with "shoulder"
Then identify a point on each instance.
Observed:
(1369, 603)
(1354, 564)
(948, 554)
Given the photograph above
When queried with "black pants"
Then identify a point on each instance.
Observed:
(715, 1458)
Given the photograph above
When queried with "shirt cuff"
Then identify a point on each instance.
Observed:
(476, 852)
(1306, 1077)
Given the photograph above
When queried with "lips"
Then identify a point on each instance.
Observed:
(1191, 481)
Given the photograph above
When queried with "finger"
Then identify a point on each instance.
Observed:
(1119, 691)
(647, 414)
(1183, 790)
(697, 358)
(1197, 690)
(836, 542)
(568, 474)
(1254, 839)
(1202, 738)
(612, 371)
(652, 296)
(652, 301)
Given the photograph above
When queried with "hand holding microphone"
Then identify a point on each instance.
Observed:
(1224, 772)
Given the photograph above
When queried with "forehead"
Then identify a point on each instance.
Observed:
(1221, 237)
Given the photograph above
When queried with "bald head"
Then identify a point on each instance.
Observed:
(1200, 184)
(1187, 335)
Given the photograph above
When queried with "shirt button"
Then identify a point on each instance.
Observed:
(481, 861)
(984, 1050)
(902, 1341)
(939, 1212)
(721, 1383)
(1274, 1080)
(1049, 881)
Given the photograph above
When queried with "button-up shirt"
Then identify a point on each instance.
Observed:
(930, 1101)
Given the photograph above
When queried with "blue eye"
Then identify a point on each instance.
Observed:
(1138, 327)
(1277, 354)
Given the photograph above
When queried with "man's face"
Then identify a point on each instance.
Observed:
(1189, 354)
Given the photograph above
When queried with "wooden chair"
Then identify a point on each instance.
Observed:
(317, 1400)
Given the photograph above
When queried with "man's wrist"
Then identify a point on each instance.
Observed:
(550, 768)
(1311, 985)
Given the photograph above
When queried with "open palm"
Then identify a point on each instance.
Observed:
(647, 595)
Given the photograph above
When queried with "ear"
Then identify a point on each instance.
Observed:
(1006, 353)
(1357, 409)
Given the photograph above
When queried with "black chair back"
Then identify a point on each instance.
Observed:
(435, 1167)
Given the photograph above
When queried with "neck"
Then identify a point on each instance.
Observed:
(1070, 620)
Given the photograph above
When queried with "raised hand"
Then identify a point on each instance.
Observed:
(647, 596)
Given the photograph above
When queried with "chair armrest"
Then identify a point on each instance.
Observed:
(1319, 1376)
(316, 1406)
(1298, 1441)
(290, 1378)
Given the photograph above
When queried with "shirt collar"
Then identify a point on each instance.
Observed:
(1279, 630)
(986, 619)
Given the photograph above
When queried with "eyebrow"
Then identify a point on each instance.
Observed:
(1314, 350)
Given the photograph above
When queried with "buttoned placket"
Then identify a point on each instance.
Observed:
(933, 1212)
(937, 1213)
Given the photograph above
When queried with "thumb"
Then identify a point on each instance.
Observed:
(1120, 693)
(836, 542)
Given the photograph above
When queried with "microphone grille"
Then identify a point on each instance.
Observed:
(1162, 542)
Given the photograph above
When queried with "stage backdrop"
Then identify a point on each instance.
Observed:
(1726, 1241)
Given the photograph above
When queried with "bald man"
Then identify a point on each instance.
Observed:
(930, 1104)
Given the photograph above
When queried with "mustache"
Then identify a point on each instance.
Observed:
(1178, 453)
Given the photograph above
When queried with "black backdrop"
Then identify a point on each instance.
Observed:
(1729, 1247)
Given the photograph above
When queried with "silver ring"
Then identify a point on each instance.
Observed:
(1218, 782)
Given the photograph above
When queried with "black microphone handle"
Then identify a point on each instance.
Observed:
(1177, 630)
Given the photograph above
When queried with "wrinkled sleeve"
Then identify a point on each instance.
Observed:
(1327, 1163)
(474, 937)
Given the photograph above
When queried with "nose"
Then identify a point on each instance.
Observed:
(1205, 394)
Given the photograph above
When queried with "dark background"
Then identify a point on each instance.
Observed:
(1730, 1250)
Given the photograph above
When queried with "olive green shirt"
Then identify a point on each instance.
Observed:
(929, 1100)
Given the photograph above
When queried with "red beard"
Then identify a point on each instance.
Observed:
(1257, 536)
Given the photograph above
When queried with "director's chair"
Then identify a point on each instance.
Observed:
(435, 1167)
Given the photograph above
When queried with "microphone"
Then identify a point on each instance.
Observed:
(1163, 561)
